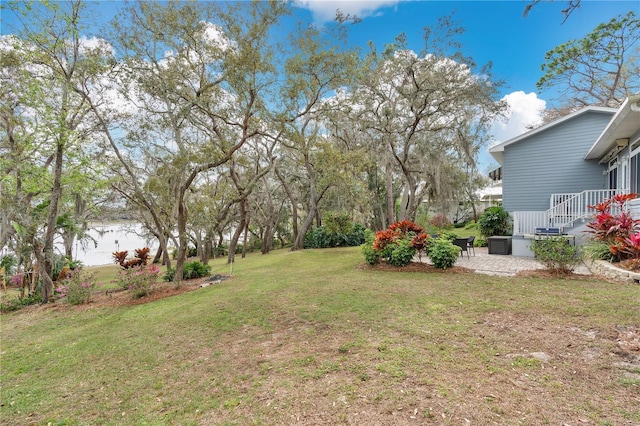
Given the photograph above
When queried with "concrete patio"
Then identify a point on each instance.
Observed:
(504, 265)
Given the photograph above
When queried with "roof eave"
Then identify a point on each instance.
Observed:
(628, 113)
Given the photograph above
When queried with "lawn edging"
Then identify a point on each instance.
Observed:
(604, 268)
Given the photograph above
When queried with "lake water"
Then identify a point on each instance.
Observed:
(112, 237)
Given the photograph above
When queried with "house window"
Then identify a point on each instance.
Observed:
(634, 181)
(613, 174)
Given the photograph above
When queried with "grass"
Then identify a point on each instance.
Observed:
(308, 338)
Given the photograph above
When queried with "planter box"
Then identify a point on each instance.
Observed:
(499, 245)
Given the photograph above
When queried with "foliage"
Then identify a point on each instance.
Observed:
(440, 221)
(480, 241)
(471, 225)
(345, 235)
(398, 244)
(494, 221)
(556, 254)
(9, 305)
(141, 258)
(140, 280)
(597, 250)
(371, 255)
(443, 253)
(8, 262)
(599, 69)
(78, 287)
(402, 253)
(614, 226)
(195, 269)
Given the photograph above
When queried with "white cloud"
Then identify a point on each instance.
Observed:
(325, 10)
(525, 110)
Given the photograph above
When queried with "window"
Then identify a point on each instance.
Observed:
(613, 174)
(633, 174)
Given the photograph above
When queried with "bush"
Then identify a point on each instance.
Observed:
(333, 236)
(9, 305)
(494, 221)
(402, 253)
(443, 253)
(140, 280)
(77, 288)
(191, 270)
(397, 244)
(480, 241)
(615, 226)
(440, 221)
(556, 254)
(471, 225)
(598, 250)
(371, 256)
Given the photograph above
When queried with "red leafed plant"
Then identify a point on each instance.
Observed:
(141, 258)
(614, 225)
(400, 242)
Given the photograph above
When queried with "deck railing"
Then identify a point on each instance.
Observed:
(566, 209)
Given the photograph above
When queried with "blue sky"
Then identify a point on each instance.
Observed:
(496, 31)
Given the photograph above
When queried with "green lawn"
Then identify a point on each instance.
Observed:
(310, 337)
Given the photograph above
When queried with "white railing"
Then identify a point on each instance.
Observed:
(527, 222)
(565, 210)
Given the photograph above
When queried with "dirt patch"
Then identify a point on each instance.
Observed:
(116, 298)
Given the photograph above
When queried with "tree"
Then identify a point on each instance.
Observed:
(47, 119)
(314, 162)
(417, 106)
(572, 5)
(600, 69)
(199, 72)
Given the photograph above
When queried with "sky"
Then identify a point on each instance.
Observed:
(496, 32)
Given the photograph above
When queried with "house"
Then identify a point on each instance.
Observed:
(553, 173)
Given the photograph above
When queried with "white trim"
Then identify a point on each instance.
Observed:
(629, 115)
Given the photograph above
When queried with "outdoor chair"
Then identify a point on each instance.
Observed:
(463, 243)
(470, 246)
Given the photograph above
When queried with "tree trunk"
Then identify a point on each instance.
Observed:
(246, 234)
(206, 249)
(182, 240)
(46, 266)
(236, 235)
(389, 187)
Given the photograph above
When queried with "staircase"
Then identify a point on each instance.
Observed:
(565, 211)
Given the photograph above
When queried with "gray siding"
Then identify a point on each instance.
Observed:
(552, 162)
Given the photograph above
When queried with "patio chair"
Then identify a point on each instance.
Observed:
(463, 244)
(470, 246)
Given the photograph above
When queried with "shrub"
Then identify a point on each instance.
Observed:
(397, 244)
(9, 305)
(371, 256)
(440, 221)
(471, 225)
(78, 287)
(556, 254)
(141, 258)
(190, 270)
(480, 241)
(140, 280)
(443, 253)
(614, 226)
(494, 221)
(402, 253)
(335, 234)
(598, 250)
